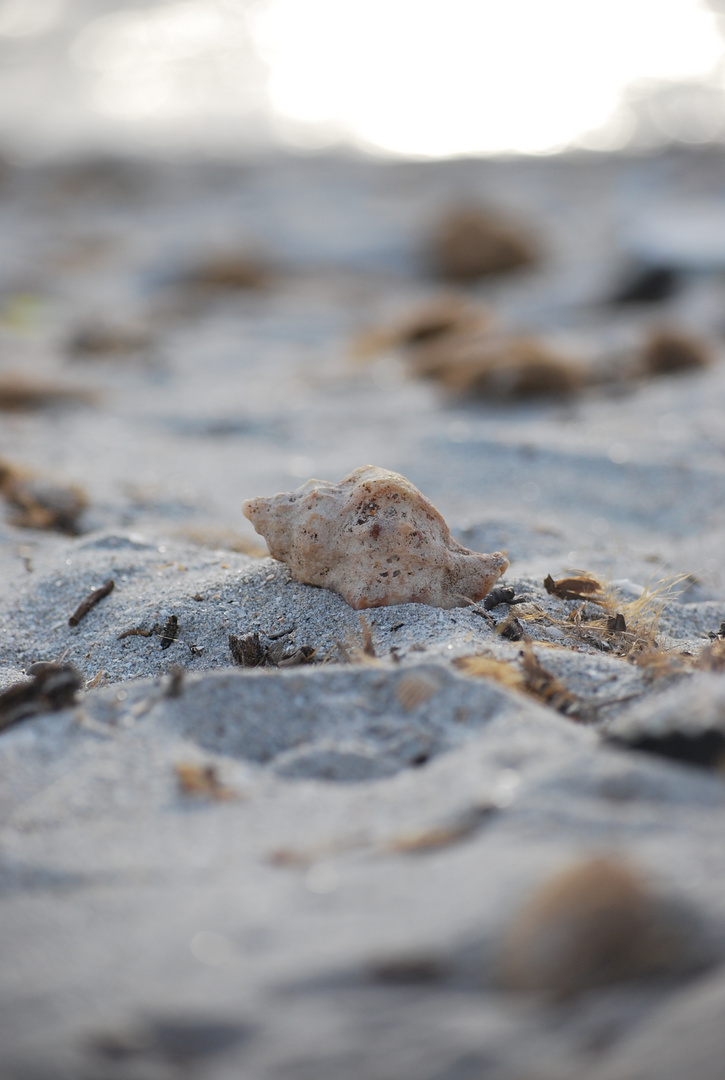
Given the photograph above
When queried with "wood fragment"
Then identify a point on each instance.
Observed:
(135, 631)
(90, 602)
(247, 651)
(368, 646)
(169, 632)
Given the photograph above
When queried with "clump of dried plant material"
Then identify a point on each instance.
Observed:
(104, 340)
(439, 836)
(90, 602)
(531, 678)
(594, 923)
(627, 628)
(479, 364)
(52, 687)
(20, 394)
(250, 651)
(541, 684)
(471, 242)
(437, 318)
(712, 656)
(228, 272)
(220, 538)
(202, 781)
(415, 688)
(39, 503)
(668, 351)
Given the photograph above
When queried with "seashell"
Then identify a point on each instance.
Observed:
(374, 539)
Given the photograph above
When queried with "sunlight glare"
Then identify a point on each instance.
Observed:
(411, 76)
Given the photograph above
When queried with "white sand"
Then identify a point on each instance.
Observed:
(149, 934)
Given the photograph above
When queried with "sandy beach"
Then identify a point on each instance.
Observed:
(409, 842)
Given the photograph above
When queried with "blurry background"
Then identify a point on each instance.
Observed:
(402, 77)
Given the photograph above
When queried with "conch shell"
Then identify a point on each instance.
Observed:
(375, 540)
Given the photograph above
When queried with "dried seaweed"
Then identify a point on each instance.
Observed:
(668, 351)
(40, 503)
(580, 587)
(202, 781)
(53, 687)
(20, 394)
(471, 242)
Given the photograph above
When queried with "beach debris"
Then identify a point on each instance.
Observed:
(712, 657)
(408, 969)
(431, 321)
(510, 628)
(109, 341)
(52, 687)
(459, 828)
(175, 686)
(374, 539)
(580, 587)
(169, 632)
(415, 688)
(135, 631)
(250, 652)
(647, 285)
(21, 394)
(541, 684)
(202, 781)
(90, 602)
(480, 364)
(594, 923)
(502, 594)
(668, 351)
(247, 651)
(167, 1043)
(41, 503)
(617, 624)
(531, 677)
(228, 271)
(471, 242)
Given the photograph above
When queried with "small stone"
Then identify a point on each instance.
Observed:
(374, 539)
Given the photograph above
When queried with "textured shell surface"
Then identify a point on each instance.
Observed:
(374, 539)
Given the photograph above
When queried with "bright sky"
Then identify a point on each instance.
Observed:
(422, 77)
